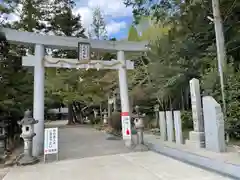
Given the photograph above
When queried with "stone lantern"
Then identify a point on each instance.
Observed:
(2, 138)
(105, 116)
(27, 124)
(139, 125)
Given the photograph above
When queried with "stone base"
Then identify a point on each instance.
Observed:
(141, 147)
(196, 139)
(129, 143)
(27, 160)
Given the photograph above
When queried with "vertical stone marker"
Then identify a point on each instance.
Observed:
(178, 127)
(170, 132)
(196, 137)
(214, 125)
(163, 128)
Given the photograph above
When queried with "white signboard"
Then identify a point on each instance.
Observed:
(126, 127)
(51, 141)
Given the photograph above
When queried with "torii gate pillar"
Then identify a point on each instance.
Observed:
(125, 110)
(38, 100)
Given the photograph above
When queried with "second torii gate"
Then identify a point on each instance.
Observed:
(39, 61)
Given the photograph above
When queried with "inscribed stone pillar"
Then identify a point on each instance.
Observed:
(163, 130)
(170, 132)
(214, 125)
(178, 127)
(196, 137)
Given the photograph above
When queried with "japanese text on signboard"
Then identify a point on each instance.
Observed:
(51, 141)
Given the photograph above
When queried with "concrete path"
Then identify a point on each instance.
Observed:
(82, 142)
(130, 166)
(85, 154)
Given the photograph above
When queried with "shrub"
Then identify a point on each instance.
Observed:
(115, 121)
(96, 120)
(186, 117)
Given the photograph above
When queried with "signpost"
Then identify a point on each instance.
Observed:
(51, 142)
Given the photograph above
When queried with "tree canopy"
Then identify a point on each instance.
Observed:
(182, 47)
(186, 49)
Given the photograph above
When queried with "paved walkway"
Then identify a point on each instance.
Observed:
(86, 154)
(130, 166)
(82, 142)
(231, 156)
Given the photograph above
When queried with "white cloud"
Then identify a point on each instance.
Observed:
(86, 15)
(114, 8)
(114, 27)
(111, 9)
(13, 16)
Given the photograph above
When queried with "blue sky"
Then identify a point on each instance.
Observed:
(117, 16)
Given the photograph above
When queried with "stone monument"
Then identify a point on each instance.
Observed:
(196, 137)
(214, 125)
(178, 127)
(169, 120)
(163, 128)
(27, 134)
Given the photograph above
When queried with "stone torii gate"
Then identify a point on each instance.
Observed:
(39, 61)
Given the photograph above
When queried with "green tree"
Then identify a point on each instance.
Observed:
(98, 26)
(187, 49)
(71, 86)
(133, 34)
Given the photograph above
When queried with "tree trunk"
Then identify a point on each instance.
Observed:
(157, 119)
(78, 117)
(115, 104)
(74, 112)
(80, 111)
(100, 111)
(109, 107)
(182, 100)
(70, 114)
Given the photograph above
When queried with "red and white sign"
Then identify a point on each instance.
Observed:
(126, 125)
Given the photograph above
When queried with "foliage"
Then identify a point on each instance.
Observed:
(64, 22)
(187, 50)
(133, 34)
(115, 121)
(186, 117)
(211, 86)
(96, 120)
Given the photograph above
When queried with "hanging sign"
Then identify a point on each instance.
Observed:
(83, 51)
(126, 125)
